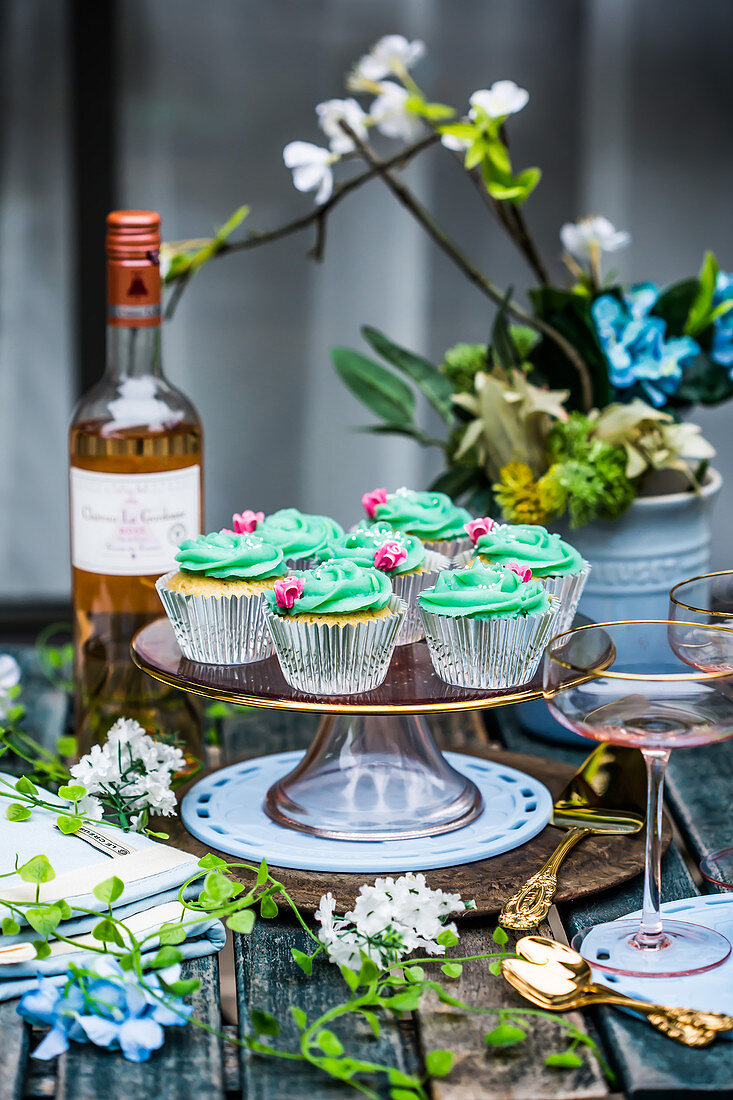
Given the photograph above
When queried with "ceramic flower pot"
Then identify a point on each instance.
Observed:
(635, 561)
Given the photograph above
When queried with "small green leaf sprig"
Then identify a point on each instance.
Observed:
(373, 990)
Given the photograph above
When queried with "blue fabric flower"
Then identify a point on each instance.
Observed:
(722, 349)
(635, 345)
(108, 1008)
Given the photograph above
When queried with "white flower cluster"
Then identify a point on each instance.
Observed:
(9, 677)
(131, 770)
(389, 920)
(312, 165)
(592, 235)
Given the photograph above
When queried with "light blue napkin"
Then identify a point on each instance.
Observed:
(152, 874)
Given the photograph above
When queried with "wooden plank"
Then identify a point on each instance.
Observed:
(651, 1066)
(269, 980)
(518, 1073)
(699, 785)
(14, 1036)
(190, 1064)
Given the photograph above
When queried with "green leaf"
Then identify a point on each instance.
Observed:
(452, 970)
(243, 921)
(350, 977)
(66, 746)
(166, 956)
(439, 1062)
(69, 823)
(495, 968)
(570, 315)
(698, 317)
(64, 909)
(329, 1043)
(25, 786)
(262, 873)
(160, 836)
(414, 973)
(106, 931)
(210, 862)
(475, 153)
(72, 792)
(183, 986)
(37, 870)
(405, 1001)
(10, 926)
(368, 972)
(44, 919)
(499, 935)
(41, 948)
(409, 430)
(372, 1020)
(564, 1060)
(448, 938)
(109, 890)
(305, 962)
(16, 811)
(403, 1094)
(172, 933)
(383, 394)
(299, 1016)
(525, 340)
(500, 339)
(218, 887)
(704, 382)
(263, 1023)
(674, 304)
(397, 1077)
(429, 380)
(505, 1035)
(268, 908)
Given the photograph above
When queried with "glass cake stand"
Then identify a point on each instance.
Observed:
(373, 771)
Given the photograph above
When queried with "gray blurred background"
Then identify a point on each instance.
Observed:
(185, 107)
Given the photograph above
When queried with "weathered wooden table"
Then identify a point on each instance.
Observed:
(194, 1064)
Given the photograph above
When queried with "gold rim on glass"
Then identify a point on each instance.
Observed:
(671, 677)
(701, 577)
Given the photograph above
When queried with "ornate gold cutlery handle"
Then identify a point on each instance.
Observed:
(531, 903)
(686, 1025)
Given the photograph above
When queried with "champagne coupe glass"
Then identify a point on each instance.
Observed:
(707, 599)
(627, 683)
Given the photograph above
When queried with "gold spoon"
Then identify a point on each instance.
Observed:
(607, 795)
(556, 978)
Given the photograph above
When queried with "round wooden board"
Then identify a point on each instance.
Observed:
(594, 865)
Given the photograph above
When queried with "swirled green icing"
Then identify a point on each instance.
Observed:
(224, 555)
(430, 516)
(529, 544)
(337, 588)
(361, 545)
(483, 592)
(297, 533)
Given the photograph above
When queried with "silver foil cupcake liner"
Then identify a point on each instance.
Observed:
(408, 587)
(323, 658)
(566, 590)
(449, 547)
(217, 630)
(488, 653)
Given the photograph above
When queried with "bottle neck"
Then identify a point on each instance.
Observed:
(133, 352)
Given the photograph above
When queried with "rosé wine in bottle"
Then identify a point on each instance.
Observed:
(135, 455)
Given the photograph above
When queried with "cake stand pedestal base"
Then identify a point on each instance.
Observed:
(373, 777)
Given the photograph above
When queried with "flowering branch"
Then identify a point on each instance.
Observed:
(316, 217)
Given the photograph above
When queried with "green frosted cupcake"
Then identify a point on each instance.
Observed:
(299, 535)
(487, 627)
(431, 517)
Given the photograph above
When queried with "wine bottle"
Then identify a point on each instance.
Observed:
(135, 480)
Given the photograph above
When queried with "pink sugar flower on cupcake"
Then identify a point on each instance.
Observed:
(475, 528)
(370, 501)
(288, 590)
(244, 523)
(389, 555)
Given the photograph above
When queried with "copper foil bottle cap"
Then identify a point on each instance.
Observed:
(133, 235)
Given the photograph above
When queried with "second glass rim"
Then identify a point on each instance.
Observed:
(666, 677)
(701, 577)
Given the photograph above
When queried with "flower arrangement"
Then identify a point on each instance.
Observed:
(586, 347)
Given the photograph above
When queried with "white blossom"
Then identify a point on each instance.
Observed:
(503, 98)
(330, 115)
(311, 167)
(9, 678)
(392, 54)
(131, 767)
(597, 234)
(389, 920)
(390, 115)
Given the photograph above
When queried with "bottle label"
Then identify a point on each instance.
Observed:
(133, 294)
(128, 525)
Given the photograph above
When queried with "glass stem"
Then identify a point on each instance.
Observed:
(650, 935)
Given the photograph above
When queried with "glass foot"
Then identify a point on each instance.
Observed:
(373, 777)
(718, 868)
(682, 949)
